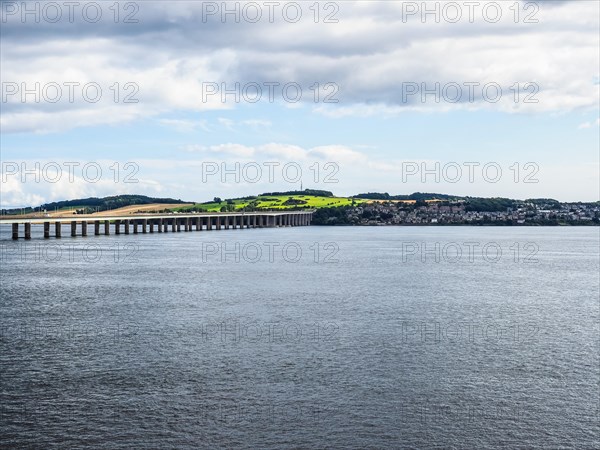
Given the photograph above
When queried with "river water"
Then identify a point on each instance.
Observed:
(308, 337)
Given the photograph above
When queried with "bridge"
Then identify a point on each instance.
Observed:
(150, 223)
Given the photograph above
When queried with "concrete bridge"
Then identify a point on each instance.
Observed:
(160, 223)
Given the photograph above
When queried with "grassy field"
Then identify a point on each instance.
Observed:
(275, 202)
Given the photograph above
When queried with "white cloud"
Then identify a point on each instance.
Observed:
(227, 123)
(585, 125)
(39, 185)
(367, 54)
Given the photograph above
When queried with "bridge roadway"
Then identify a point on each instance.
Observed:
(148, 222)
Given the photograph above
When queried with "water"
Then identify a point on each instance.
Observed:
(183, 340)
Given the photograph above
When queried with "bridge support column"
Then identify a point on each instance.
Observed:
(144, 225)
(198, 224)
(83, 228)
(173, 225)
(57, 229)
(126, 224)
(96, 228)
(107, 227)
(117, 227)
(178, 222)
(151, 225)
(15, 231)
(134, 224)
(27, 231)
(159, 225)
(218, 223)
(187, 226)
(46, 230)
(73, 228)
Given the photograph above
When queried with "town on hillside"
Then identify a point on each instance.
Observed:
(461, 212)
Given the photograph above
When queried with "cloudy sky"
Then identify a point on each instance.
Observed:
(193, 99)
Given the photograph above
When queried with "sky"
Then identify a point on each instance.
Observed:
(192, 100)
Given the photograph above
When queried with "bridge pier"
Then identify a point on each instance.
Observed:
(223, 221)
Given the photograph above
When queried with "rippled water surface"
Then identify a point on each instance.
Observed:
(309, 337)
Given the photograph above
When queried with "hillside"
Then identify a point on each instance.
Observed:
(274, 201)
(94, 204)
(293, 200)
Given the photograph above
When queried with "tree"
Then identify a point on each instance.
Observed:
(217, 200)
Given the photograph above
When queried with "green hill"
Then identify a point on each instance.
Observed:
(92, 204)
